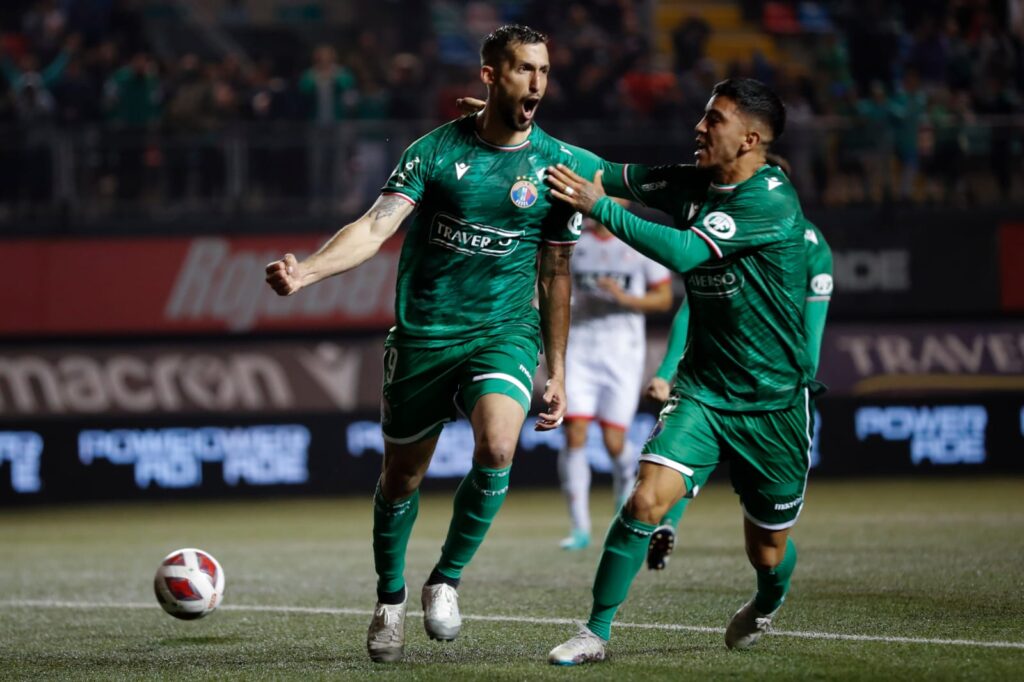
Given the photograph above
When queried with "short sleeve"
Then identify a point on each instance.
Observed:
(410, 175)
(562, 225)
(750, 218)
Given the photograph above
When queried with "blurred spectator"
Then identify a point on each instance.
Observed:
(331, 96)
(77, 96)
(689, 41)
(132, 95)
(907, 108)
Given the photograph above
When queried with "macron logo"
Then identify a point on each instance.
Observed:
(772, 183)
(460, 169)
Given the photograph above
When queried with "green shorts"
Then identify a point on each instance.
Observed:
(426, 387)
(768, 452)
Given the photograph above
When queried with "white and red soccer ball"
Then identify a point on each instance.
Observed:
(189, 583)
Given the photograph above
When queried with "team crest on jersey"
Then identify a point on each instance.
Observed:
(822, 284)
(720, 224)
(524, 193)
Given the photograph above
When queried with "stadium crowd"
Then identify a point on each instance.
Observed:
(888, 100)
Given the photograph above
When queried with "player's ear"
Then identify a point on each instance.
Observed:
(487, 75)
(752, 139)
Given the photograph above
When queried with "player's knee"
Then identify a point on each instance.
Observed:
(764, 557)
(495, 452)
(397, 483)
(644, 505)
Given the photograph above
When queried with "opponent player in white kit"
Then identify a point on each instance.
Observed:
(613, 287)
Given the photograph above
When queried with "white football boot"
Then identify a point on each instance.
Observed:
(747, 626)
(385, 640)
(585, 647)
(441, 617)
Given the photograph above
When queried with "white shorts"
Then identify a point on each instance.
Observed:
(603, 377)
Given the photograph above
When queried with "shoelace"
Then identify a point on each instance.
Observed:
(445, 602)
(764, 623)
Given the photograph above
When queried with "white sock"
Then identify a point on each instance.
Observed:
(574, 472)
(623, 474)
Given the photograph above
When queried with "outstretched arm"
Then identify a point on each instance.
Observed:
(554, 292)
(678, 250)
(657, 299)
(352, 245)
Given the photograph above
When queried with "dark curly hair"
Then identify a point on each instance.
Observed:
(496, 45)
(756, 99)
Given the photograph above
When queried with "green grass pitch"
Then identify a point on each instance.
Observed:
(903, 580)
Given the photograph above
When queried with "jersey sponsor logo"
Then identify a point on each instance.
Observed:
(773, 183)
(460, 169)
(524, 193)
(714, 281)
(720, 224)
(783, 506)
(654, 186)
(472, 239)
(810, 236)
(575, 224)
(822, 284)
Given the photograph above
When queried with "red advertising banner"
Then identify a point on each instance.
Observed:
(1011, 260)
(196, 285)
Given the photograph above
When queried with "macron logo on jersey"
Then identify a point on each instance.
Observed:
(810, 236)
(773, 183)
(460, 169)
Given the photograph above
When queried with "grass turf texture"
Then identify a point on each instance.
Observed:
(925, 559)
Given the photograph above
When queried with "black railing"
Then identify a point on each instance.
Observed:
(247, 175)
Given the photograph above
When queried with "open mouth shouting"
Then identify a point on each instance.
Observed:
(529, 107)
(702, 150)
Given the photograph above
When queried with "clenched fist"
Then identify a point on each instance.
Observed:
(284, 275)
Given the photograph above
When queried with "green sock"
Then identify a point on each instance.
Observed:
(477, 502)
(392, 526)
(773, 585)
(675, 514)
(625, 547)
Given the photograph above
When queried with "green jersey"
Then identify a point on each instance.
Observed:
(746, 348)
(819, 263)
(468, 266)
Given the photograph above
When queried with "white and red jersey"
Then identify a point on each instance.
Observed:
(605, 357)
(592, 307)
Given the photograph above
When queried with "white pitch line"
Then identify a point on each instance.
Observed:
(325, 610)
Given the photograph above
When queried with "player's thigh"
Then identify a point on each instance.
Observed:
(417, 391)
(504, 366)
(497, 421)
(684, 439)
(657, 488)
(770, 461)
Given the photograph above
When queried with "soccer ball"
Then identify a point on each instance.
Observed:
(189, 583)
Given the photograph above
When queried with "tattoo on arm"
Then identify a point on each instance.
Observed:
(386, 207)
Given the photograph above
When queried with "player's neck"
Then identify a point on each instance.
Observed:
(740, 170)
(493, 131)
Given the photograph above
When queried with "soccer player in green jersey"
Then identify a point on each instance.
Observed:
(818, 260)
(743, 386)
(467, 335)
